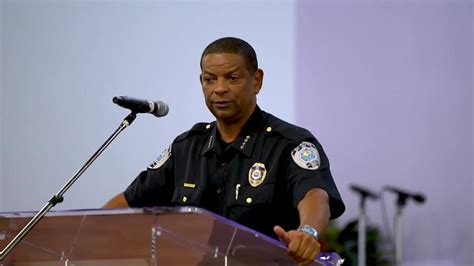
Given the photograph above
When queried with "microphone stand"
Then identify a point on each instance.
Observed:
(401, 202)
(362, 230)
(361, 224)
(403, 196)
(58, 197)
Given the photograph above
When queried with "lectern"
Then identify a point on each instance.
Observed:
(149, 236)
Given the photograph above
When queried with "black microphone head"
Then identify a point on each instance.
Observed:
(160, 109)
(419, 198)
(364, 192)
(117, 99)
(157, 108)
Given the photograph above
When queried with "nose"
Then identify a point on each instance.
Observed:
(221, 86)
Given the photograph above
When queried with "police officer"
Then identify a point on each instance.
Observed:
(248, 165)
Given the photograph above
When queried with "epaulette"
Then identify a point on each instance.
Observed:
(197, 129)
(287, 130)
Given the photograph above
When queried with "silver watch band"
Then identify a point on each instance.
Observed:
(309, 230)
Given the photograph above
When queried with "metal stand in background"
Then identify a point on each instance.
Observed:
(403, 196)
(361, 235)
(398, 230)
(58, 198)
(361, 224)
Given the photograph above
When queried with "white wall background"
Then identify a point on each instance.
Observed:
(63, 63)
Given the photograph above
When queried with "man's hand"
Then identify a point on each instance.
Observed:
(118, 201)
(301, 246)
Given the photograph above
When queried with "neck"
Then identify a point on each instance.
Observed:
(229, 130)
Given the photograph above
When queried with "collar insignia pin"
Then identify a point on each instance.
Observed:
(210, 141)
(245, 142)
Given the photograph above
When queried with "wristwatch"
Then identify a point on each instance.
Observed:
(309, 230)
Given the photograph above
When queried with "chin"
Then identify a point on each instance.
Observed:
(224, 115)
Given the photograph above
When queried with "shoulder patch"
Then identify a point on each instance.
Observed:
(306, 156)
(162, 158)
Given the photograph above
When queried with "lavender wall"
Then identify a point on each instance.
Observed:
(387, 88)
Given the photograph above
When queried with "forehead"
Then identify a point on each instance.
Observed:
(222, 61)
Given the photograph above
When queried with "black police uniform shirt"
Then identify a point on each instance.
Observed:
(257, 181)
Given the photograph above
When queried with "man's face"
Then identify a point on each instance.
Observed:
(229, 87)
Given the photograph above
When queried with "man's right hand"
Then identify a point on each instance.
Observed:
(300, 246)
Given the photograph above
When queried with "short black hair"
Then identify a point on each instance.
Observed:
(233, 45)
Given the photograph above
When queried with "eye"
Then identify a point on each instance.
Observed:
(234, 78)
(208, 79)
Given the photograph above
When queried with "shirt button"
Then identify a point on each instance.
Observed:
(249, 200)
(269, 129)
(223, 164)
(219, 191)
(185, 199)
(208, 126)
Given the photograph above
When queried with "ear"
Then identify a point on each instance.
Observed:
(258, 79)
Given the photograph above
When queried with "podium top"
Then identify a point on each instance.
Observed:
(148, 236)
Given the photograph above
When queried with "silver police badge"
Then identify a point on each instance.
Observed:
(162, 158)
(257, 174)
(306, 156)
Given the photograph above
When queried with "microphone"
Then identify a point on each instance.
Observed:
(157, 108)
(364, 192)
(418, 197)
